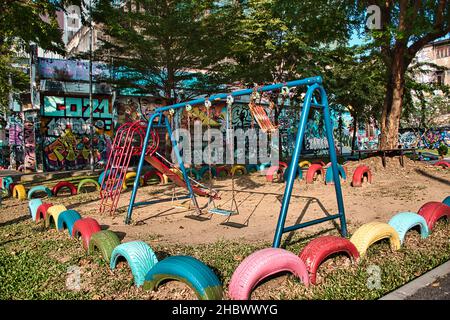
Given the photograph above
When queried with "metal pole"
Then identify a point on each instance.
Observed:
(91, 107)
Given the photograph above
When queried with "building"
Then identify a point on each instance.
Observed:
(438, 53)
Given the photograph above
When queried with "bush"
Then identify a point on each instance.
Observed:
(442, 150)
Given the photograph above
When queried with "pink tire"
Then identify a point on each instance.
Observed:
(262, 264)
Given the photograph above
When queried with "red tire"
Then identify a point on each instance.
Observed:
(433, 211)
(64, 184)
(443, 164)
(272, 171)
(359, 174)
(282, 164)
(41, 212)
(320, 248)
(85, 228)
(319, 162)
(314, 170)
(152, 173)
(221, 169)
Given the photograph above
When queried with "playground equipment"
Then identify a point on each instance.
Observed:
(188, 270)
(404, 221)
(361, 172)
(19, 192)
(443, 164)
(87, 181)
(33, 190)
(64, 184)
(140, 258)
(314, 171)
(372, 232)
(433, 211)
(446, 201)
(85, 228)
(105, 241)
(321, 248)
(41, 212)
(51, 219)
(262, 264)
(329, 179)
(67, 219)
(33, 206)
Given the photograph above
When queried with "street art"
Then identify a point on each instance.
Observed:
(70, 70)
(15, 126)
(65, 127)
(29, 144)
(129, 109)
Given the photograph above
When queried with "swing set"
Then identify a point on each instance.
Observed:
(147, 145)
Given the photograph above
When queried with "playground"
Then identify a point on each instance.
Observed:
(161, 234)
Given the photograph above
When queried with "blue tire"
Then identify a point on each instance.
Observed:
(67, 219)
(263, 166)
(6, 181)
(37, 189)
(205, 169)
(251, 168)
(140, 258)
(33, 205)
(405, 221)
(329, 174)
(446, 201)
(100, 178)
(299, 174)
(189, 270)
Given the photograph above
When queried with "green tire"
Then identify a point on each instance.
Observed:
(105, 241)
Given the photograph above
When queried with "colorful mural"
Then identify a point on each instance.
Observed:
(65, 128)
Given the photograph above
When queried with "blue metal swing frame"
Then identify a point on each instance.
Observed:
(313, 84)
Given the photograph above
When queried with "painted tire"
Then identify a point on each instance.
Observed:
(329, 174)
(251, 168)
(67, 219)
(321, 248)
(19, 192)
(33, 206)
(53, 213)
(11, 188)
(188, 270)
(205, 170)
(405, 221)
(299, 173)
(372, 232)
(6, 181)
(64, 184)
(260, 265)
(319, 162)
(131, 175)
(359, 174)
(140, 258)
(304, 164)
(105, 241)
(238, 168)
(85, 228)
(263, 166)
(4, 193)
(433, 211)
(313, 170)
(37, 189)
(151, 173)
(192, 172)
(274, 171)
(283, 164)
(446, 201)
(87, 181)
(223, 171)
(100, 178)
(443, 164)
(41, 212)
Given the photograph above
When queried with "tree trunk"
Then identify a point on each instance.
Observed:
(355, 128)
(392, 108)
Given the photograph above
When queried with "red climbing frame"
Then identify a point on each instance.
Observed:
(127, 143)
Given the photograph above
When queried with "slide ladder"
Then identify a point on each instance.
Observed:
(128, 142)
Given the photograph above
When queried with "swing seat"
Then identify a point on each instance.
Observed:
(222, 212)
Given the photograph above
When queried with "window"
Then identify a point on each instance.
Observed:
(443, 52)
(440, 77)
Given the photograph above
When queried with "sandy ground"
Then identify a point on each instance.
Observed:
(394, 189)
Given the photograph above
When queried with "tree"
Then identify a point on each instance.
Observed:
(163, 46)
(22, 23)
(406, 27)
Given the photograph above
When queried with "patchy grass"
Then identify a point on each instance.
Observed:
(34, 264)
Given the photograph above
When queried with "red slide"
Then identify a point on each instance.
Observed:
(161, 167)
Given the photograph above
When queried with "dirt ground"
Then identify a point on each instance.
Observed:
(394, 189)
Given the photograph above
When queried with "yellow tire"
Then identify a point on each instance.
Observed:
(131, 175)
(177, 172)
(372, 232)
(166, 179)
(304, 164)
(19, 192)
(238, 168)
(53, 213)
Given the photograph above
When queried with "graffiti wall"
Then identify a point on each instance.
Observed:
(429, 139)
(65, 128)
(129, 109)
(29, 137)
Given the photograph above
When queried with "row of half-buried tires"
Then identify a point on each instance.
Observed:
(147, 271)
(271, 261)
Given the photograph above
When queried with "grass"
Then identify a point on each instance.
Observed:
(34, 264)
